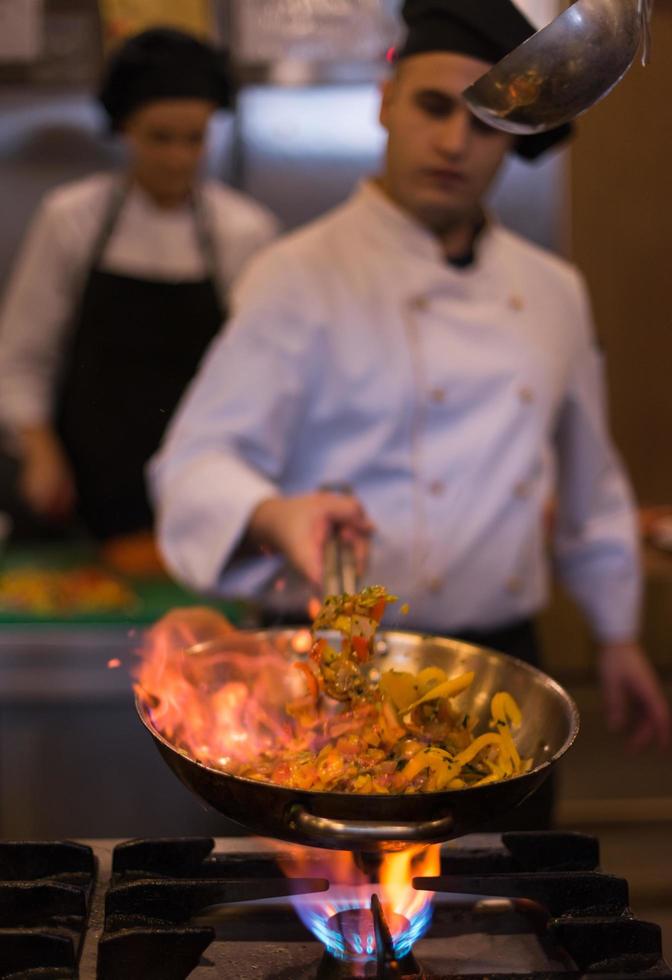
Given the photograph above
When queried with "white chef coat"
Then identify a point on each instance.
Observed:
(148, 241)
(449, 399)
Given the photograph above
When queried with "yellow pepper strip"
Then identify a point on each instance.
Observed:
(492, 778)
(444, 767)
(504, 712)
(496, 769)
(436, 759)
(449, 689)
(400, 687)
(429, 678)
(480, 743)
(504, 708)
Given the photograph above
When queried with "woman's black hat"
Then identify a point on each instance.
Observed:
(163, 63)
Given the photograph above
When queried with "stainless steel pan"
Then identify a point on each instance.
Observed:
(370, 822)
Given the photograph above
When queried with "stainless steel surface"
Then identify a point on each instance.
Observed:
(564, 69)
(550, 726)
(296, 73)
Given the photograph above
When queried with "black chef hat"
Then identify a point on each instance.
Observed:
(163, 63)
(483, 29)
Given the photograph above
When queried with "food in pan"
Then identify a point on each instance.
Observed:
(394, 733)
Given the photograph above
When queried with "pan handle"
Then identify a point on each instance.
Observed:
(366, 831)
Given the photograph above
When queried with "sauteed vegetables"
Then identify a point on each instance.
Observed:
(403, 734)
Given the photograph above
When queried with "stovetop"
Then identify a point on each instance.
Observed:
(145, 910)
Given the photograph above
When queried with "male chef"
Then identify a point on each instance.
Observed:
(442, 367)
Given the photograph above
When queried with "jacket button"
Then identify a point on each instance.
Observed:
(419, 304)
(434, 585)
(522, 490)
(514, 585)
(526, 395)
(438, 396)
(437, 488)
(516, 302)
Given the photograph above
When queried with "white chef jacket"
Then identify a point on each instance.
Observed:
(452, 400)
(147, 241)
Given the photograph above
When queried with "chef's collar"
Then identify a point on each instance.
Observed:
(467, 258)
(409, 233)
(484, 29)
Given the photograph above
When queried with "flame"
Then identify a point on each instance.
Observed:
(314, 606)
(114, 663)
(220, 697)
(212, 693)
(408, 912)
(302, 641)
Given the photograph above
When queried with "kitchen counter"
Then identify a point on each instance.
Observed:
(74, 760)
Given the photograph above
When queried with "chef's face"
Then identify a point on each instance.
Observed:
(167, 140)
(440, 158)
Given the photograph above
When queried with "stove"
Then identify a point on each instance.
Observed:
(519, 905)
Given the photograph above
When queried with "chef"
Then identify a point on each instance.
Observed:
(445, 369)
(121, 284)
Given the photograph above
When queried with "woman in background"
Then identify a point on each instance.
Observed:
(120, 286)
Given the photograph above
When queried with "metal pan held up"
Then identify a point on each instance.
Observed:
(380, 822)
(564, 69)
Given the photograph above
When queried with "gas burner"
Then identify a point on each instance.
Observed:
(379, 959)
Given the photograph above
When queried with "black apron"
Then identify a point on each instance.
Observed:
(136, 344)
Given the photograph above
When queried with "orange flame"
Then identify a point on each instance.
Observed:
(211, 691)
(314, 606)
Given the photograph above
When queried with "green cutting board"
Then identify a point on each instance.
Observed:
(153, 596)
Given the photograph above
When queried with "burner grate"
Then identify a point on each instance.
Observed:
(45, 895)
(159, 887)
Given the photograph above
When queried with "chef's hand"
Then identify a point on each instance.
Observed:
(633, 697)
(46, 482)
(298, 528)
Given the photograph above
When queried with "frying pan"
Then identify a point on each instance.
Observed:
(378, 822)
(565, 68)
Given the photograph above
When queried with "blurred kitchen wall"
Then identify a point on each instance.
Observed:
(305, 132)
(621, 217)
(302, 148)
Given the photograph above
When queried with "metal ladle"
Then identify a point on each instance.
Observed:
(563, 69)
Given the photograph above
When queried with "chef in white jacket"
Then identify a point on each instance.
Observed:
(120, 285)
(445, 369)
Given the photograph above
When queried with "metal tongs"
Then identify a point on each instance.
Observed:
(564, 69)
(339, 566)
